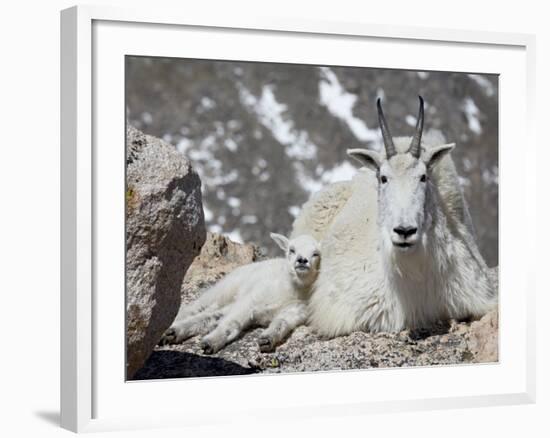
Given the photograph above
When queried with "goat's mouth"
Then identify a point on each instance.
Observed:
(301, 268)
(404, 245)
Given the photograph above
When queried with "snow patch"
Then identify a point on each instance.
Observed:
(204, 155)
(231, 144)
(472, 115)
(249, 219)
(294, 210)
(484, 84)
(307, 183)
(210, 169)
(207, 103)
(215, 228)
(340, 104)
(464, 182)
(147, 118)
(208, 214)
(234, 202)
(410, 120)
(220, 129)
(235, 236)
(264, 176)
(234, 125)
(490, 176)
(271, 115)
(342, 172)
(222, 179)
(259, 170)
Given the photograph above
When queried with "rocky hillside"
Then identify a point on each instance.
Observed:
(263, 137)
(447, 343)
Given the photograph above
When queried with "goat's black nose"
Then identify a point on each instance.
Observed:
(405, 231)
(301, 260)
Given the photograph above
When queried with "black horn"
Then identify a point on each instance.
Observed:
(386, 136)
(415, 143)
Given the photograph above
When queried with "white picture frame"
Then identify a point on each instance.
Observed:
(93, 395)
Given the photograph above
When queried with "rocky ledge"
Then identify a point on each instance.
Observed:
(447, 343)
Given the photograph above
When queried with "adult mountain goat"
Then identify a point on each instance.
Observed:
(397, 242)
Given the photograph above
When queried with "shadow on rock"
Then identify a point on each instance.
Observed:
(175, 364)
(440, 328)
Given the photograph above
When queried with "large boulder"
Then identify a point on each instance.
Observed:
(164, 232)
(447, 343)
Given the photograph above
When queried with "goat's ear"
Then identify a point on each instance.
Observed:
(367, 158)
(435, 154)
(280, 240)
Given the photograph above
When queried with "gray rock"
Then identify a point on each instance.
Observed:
(219, 256)
(164, 232)
(447, 343)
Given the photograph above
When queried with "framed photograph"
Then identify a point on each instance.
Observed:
(291, 208)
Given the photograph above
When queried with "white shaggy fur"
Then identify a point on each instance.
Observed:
(367, 283)
(271, 293)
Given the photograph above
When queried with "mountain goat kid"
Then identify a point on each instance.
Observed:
(397, 241)
(271, 293)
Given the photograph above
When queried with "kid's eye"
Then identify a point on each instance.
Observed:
(291, 251)
(315, 254)
(383, 179)
(423, 178)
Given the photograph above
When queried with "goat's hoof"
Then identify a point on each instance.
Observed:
(207, 347)
(266, 344)
(169, 337)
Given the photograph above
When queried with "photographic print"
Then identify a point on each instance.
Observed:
(298, 218)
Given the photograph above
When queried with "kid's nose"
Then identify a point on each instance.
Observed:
(301, 260)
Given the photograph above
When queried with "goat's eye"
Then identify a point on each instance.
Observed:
(315, 254)
(423, 178)
(291, 251)
(383, 179)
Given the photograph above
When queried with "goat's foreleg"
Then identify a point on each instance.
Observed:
(283, 324)
(199, 324)
(229, 328)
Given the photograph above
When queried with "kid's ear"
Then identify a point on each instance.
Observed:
(434, 155)
(280, 240)
(367, 158)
